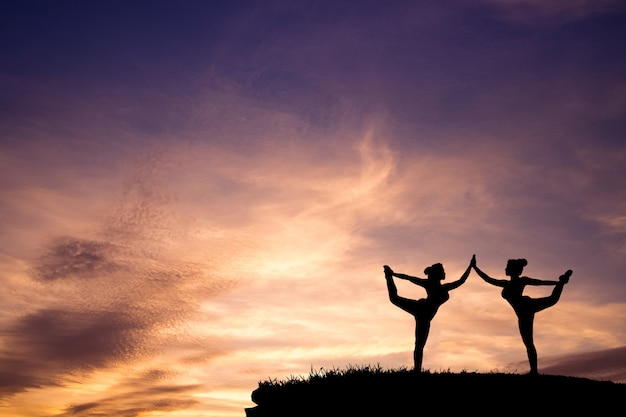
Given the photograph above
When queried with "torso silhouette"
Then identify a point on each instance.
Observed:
(513, 289)
(437, 295)
(512, 292)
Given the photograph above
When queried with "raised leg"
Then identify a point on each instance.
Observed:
(545, 302)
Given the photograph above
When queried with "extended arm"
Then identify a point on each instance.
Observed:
(414, 280)
(461, 281)
(487, 278)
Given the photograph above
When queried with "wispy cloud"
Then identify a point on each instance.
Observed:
(135, 402)
(76, 258)
(606, 365)
(552, 11)
(112, 297)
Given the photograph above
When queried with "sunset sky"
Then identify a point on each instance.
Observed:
(196, 196)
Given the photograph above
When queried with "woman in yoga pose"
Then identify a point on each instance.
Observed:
(423, 309)
(524, 306)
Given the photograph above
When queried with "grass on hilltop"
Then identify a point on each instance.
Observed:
(373, 390)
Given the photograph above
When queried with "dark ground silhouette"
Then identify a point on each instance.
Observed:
(377, 392)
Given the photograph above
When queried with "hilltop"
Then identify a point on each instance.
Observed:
(375, 391)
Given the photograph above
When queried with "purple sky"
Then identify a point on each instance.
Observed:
(199, 195)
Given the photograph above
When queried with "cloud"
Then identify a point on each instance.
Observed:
(119, 294)
(65, 341)
(95, 326)
(608, 364)
(76, 258)
(295, 223)
(561, 11)
(137, 402)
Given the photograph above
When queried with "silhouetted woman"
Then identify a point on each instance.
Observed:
(524, 306)
(423, 309)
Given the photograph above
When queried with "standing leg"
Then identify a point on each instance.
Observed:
(422, 328)
(525, 323)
